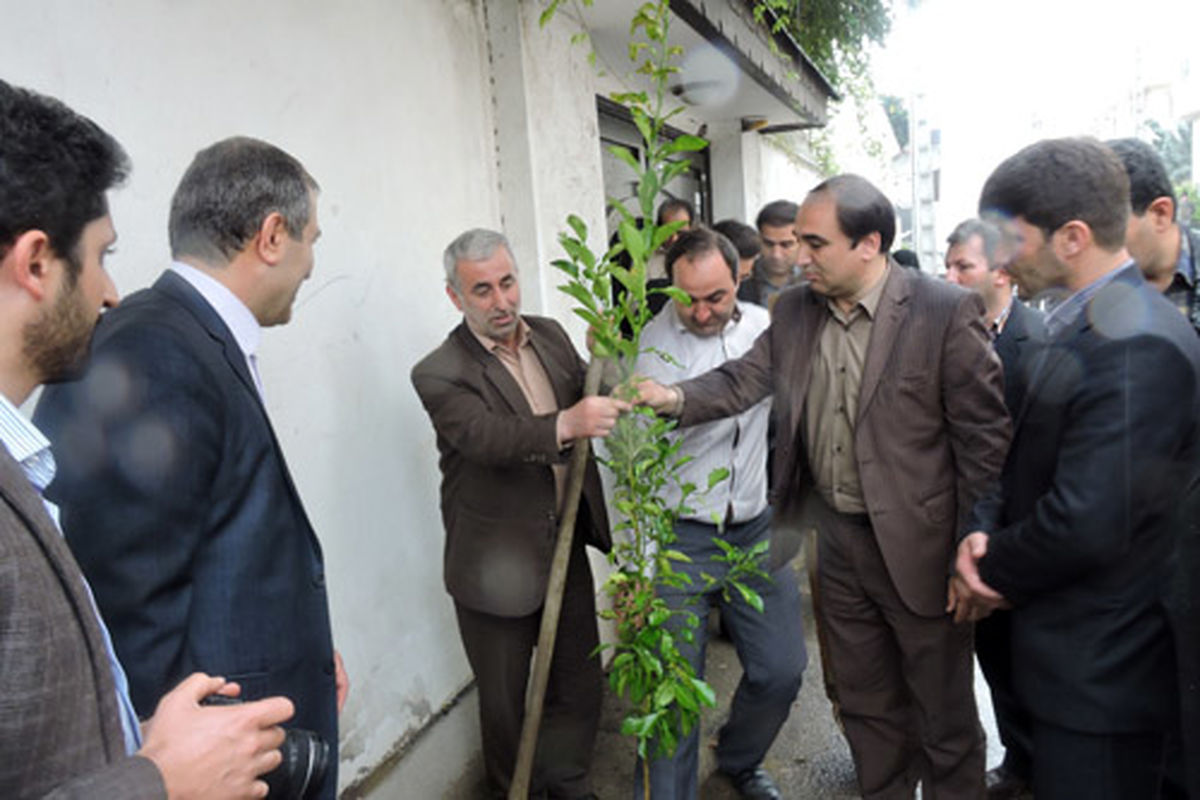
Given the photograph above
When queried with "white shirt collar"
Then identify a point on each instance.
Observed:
(26, 444)
(232, 311)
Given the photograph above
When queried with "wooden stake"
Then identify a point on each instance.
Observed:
(552, 608)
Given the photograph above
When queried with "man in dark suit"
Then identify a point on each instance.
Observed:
(504, 394)
(67, 727)
(890, 421)
(974, 260)
(1078, 537)
(175, 494)
(1168, 253)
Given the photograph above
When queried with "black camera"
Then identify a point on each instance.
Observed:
(305, 760)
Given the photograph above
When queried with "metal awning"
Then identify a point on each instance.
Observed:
(728, 68)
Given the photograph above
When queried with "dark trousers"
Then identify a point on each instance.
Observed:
(1070, 764)
(499, 650)
(905, 682)
(993, 647)
(770, 646)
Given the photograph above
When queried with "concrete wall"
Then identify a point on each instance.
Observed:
(390, 107)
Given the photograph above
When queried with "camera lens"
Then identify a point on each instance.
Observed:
(300, 774)
(305, 760)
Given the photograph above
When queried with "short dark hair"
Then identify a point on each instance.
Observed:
(55, 167)
(988, 234)
(1148, 179)
(227, 192)
(674, 204)
(777, 213)
(696, 242)
(1051, 182)
(907, 258)
(744, 238)
(861, 209)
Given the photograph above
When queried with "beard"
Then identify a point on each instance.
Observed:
(56, 343)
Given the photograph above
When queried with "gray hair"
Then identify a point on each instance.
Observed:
(227, 192)
(987, 232)
(474, 245)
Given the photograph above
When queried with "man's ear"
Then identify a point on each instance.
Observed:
(1162, 213)
(869, 245)
(271, 238)
(30, 262)
(454, 298)
(1072, 239)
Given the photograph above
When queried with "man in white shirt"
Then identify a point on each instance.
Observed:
(711, 330)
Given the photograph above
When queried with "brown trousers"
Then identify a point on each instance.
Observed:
(904, 682)
(499, 650)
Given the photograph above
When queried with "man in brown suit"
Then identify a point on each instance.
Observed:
(66, 725)
(890, 420)
(504, 394)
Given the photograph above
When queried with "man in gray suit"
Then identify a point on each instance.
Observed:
(66, 723)
(504, 394)
(890, 420)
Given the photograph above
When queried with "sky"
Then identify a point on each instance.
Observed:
(995, 76)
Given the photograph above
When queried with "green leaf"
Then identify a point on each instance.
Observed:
(631, 237)
(686, 698)
(548, 12)
(675, 555)
(569, 267)
(673, 292)
(578, 226)
(685, 144)
(716, 476)
(643, 125)
(752, 598)
(674, 169)
(626, 156)
(664, 232)
(704, 692)
(647, 194)
(579, 293)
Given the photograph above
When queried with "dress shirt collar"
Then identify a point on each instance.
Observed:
(489, 344)
(997, 326)
(1069, 309)
(867, 300)
(27, 445)
(232, 311)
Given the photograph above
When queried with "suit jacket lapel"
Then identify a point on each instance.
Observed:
(560, 366)
(1051, 353)
(181, 291)
(494, 372)
(798, 368)
(174, 286)
(24, 499)
(885, 329)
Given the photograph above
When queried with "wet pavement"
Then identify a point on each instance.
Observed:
(810, 758)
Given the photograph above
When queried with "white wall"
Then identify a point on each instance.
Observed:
(389, 106)
(419, 119)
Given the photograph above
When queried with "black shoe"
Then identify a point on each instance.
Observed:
(1002, 784)
(755, 784)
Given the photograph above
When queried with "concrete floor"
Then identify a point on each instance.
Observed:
(810, 758)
